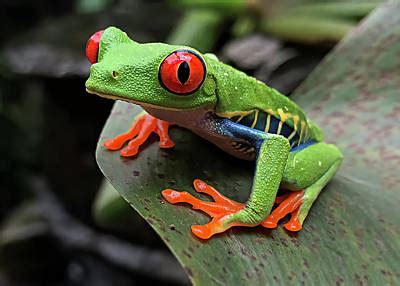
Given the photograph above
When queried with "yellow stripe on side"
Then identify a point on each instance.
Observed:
(267, 123)
(255, 120)
(301, 137)
(292, 135)
(278, 132)
(282, 115)
(306, 132)
(295, 122)
(235, 113)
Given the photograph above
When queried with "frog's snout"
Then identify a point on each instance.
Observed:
(101, 73)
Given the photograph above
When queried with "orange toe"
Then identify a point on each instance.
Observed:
(199, 185)
(288, 204)
(172, 196)
(294, 226)
(114, 144)
(201, 231)
(216, 225)
(166, 143)
(129, 151)
(269, 223)
(294, 223)
(219, 198)
(162, 131)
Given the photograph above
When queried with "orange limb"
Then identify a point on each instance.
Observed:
(223, 207)
(290, 205)
(140, 131)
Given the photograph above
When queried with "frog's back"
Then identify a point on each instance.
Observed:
(247, 101)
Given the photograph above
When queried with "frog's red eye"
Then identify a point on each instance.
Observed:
(182, 72)
(92, 47)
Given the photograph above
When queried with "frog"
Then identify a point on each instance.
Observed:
(178, 85)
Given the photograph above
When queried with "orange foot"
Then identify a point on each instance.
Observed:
(290, 204)
(222, 207)
(141, 129)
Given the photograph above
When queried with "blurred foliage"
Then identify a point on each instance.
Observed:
(305, 21)
(112, 212)
(16, 150)
(90, 6)
(50, 126)
(23, 238)
(197, 28)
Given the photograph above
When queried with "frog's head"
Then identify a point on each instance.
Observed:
(155, 75)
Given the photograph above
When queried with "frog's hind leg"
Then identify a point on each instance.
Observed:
(308, 171)
(310, 195)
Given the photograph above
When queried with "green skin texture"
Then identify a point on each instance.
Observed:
(128, 70)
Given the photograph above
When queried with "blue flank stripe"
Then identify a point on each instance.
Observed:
(286, 130)
(303, 146)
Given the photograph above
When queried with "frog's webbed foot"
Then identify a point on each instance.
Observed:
(219, 210)
(140, 131)
(289, 204)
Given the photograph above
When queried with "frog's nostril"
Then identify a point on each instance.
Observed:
(115, 74)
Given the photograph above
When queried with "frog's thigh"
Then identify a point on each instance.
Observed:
(306, 166)
(311, 169)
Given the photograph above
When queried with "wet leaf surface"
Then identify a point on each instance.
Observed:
(352, 235)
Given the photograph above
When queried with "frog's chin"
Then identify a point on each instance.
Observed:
(142, 104)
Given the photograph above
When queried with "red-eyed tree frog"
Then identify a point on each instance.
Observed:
(239, 114)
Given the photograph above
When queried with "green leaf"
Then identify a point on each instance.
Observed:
(352, 235)
(109, 208)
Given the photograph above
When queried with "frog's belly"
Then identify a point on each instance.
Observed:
(190, 120)
(196, 122)
(240, 149)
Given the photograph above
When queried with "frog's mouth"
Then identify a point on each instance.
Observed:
(137, 102)
(113, 97)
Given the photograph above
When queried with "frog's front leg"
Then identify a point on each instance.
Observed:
(143, 125)
(272, 153)
(271, 161)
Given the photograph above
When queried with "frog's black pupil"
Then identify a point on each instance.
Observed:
(183, 72)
